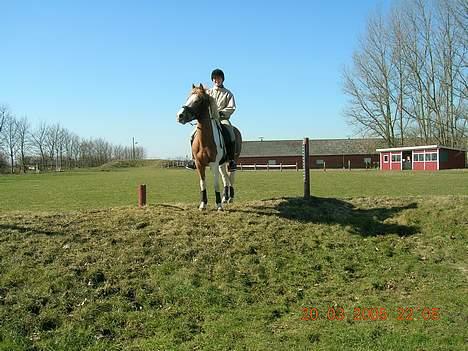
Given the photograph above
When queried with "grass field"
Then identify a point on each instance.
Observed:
(375, 261)
(117, 187)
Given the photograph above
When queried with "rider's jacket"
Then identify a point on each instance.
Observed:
(224, 100)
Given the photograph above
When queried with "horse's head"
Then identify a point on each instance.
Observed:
(195, 107)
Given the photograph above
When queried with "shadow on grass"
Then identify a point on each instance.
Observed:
(365, 222)
(27, 230)
(170, 207)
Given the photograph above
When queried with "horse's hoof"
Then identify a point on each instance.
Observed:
(225, 201)
(230, 200)
(219, 207)
(202, 207)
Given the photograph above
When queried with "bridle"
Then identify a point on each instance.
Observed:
(191, 111)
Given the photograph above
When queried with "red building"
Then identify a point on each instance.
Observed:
(427, 158)
(324, 153)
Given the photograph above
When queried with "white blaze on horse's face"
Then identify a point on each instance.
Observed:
(180, 116)
(191, 100)
(184, 116)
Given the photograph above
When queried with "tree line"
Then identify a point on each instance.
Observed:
(408, 77)
(53, 147)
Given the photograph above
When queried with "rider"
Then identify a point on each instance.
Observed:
(226, 107)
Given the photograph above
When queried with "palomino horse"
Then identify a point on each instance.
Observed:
(208, 147)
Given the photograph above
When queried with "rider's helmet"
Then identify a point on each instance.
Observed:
(217, 73)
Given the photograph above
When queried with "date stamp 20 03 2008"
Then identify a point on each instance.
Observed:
(371, 314)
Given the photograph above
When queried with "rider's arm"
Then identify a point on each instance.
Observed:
(226, 112)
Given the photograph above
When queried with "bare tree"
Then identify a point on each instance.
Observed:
(54, 145)
(452, 49)
(10, 139)
(368, 84)
(409, 74)
(4, 113)
(75, 150)
(23, 140)
(38, 139)
(70, 142)
(414, 55)
(398, 39)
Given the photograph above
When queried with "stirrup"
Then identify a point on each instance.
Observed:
(232, 166)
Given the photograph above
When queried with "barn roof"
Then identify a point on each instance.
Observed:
(317, 147)
(420, 147)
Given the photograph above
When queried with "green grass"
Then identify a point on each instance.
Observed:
(102, 189)
(89, 271)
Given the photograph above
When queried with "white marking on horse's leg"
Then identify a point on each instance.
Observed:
(226, 182)
(203, 200)
(224, 174)
(215, 169)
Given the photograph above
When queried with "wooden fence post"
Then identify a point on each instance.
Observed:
(306, 166)
(142, 195)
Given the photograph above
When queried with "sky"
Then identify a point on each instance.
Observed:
(119, 70)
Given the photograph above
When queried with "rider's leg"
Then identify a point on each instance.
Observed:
(231, 145)
(191, 163)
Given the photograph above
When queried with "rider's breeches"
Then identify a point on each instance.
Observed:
(230, 129)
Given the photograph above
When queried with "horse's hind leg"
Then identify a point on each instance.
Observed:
(226, 182)
(232, 176)
(203, 196)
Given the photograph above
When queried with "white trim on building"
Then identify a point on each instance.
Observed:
(408, 148)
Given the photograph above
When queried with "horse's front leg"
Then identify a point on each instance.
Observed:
(215, 169)
(226, 182)
(203, 196)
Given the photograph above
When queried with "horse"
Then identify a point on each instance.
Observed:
(208, 147)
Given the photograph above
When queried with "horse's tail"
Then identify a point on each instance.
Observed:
(238, 136)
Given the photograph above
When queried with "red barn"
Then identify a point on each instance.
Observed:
(427, 158)
(324, 153)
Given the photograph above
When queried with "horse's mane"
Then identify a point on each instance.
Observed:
(201, 92)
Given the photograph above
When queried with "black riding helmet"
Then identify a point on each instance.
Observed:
(217, 73)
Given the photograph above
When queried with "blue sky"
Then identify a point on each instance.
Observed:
(122, 69)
